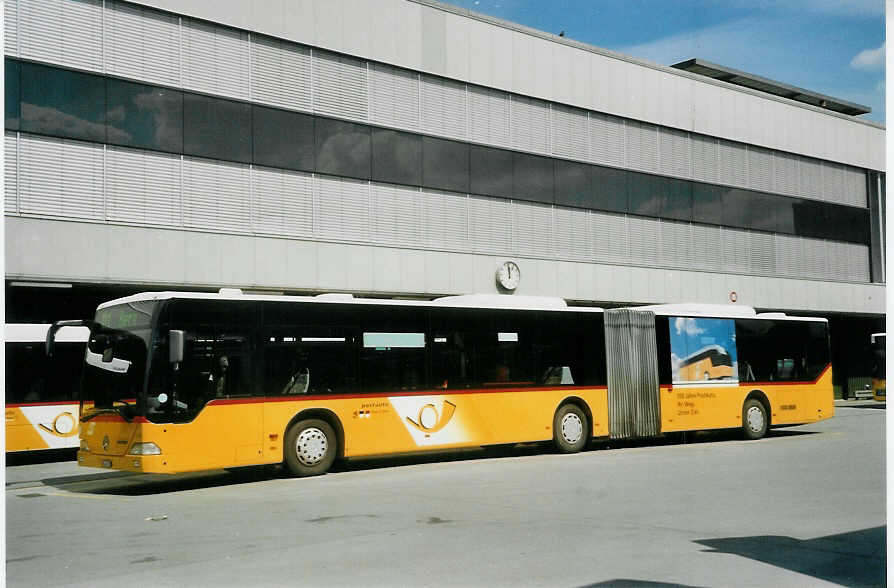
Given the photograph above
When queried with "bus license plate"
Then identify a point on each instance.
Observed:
(107, 463)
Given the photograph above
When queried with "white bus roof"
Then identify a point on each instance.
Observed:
(32, 333)
(721, 311)
(492, 301)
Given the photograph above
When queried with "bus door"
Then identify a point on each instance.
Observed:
(217, 388)
(632, 363)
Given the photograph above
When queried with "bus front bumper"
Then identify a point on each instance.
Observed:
(128, 463)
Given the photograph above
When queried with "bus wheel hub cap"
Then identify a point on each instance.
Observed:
(755, 419)
(572, 428)
(311, 446)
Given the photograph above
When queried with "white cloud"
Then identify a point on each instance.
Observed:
(870, 59)
(688, 326)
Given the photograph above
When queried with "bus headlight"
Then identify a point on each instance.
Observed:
(84, 446)
(144, 449)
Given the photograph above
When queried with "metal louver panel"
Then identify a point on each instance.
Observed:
(859, 262)
(704, 158)
(763, 253)
(340, 85)
(444, 110)
(394, 96)
(642, 233)
(530, 124)
(642, 146)
(572, 234)
(839, 261)
(707, 254)
(854, 190)
(491, 225)
(10, 174)
(674, 158)
(142, 44)
(570, 132)
(760, 169)
(489, 116)
(833, 183)
(675, 244)
(445, 220)
(62, 31)
(811, 178)
(790, 255)
(631, 351)
(280, 74)
(815, 263)
(11, 27)
(533, 228)
(736, 244)
(395, 215)
(216, 195)
(608, 140)
(142, 187)
(732, 164)
(786, 174)
(341, 209)
(282, 202)
(60, 177)
(215, 59)
(610, 236)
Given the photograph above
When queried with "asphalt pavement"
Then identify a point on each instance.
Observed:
(803, 507)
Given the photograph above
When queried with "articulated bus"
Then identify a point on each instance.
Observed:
(877, 346)
(191, 381)
(42, 394)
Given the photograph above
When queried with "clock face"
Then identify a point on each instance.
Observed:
(508, 275)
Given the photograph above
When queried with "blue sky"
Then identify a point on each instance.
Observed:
(834, 47)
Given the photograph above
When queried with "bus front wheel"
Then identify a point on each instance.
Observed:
(570, 429)
(754, 419)
(310, 447)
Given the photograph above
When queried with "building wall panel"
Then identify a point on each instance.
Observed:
(142, 44)
(215, 59)
(143, 187)
(280, 74)
(10, 173)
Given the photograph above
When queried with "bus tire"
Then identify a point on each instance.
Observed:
(754, 419)
(310, 447)
(570, 429)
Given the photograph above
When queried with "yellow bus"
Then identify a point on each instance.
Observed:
(877, 345)
(230, 379)
(42, 396)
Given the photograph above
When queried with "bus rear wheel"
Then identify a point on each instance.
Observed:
(310, 447)
(570, 429)
(754, 419)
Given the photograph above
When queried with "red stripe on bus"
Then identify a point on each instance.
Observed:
(58, 403)
(789, 382)
(437, 392)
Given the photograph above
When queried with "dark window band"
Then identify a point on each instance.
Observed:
(59, 102)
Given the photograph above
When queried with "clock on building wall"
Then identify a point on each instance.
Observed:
(508, 275)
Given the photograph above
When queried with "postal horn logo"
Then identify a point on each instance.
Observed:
(429, 421)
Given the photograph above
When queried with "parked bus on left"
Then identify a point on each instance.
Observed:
(42, 392)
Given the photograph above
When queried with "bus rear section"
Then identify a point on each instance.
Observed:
(41, 392)
(674, 368)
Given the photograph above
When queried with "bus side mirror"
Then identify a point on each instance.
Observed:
(175, 344)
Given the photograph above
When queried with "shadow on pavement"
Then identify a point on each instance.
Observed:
(43, 456)
(852, 559)
(875, 406)
(130, 484)
(627, 583)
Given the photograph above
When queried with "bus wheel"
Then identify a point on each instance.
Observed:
(570, 429)
(754, 419)
(310, 447)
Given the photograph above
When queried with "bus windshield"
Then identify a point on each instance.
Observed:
(116, 358)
